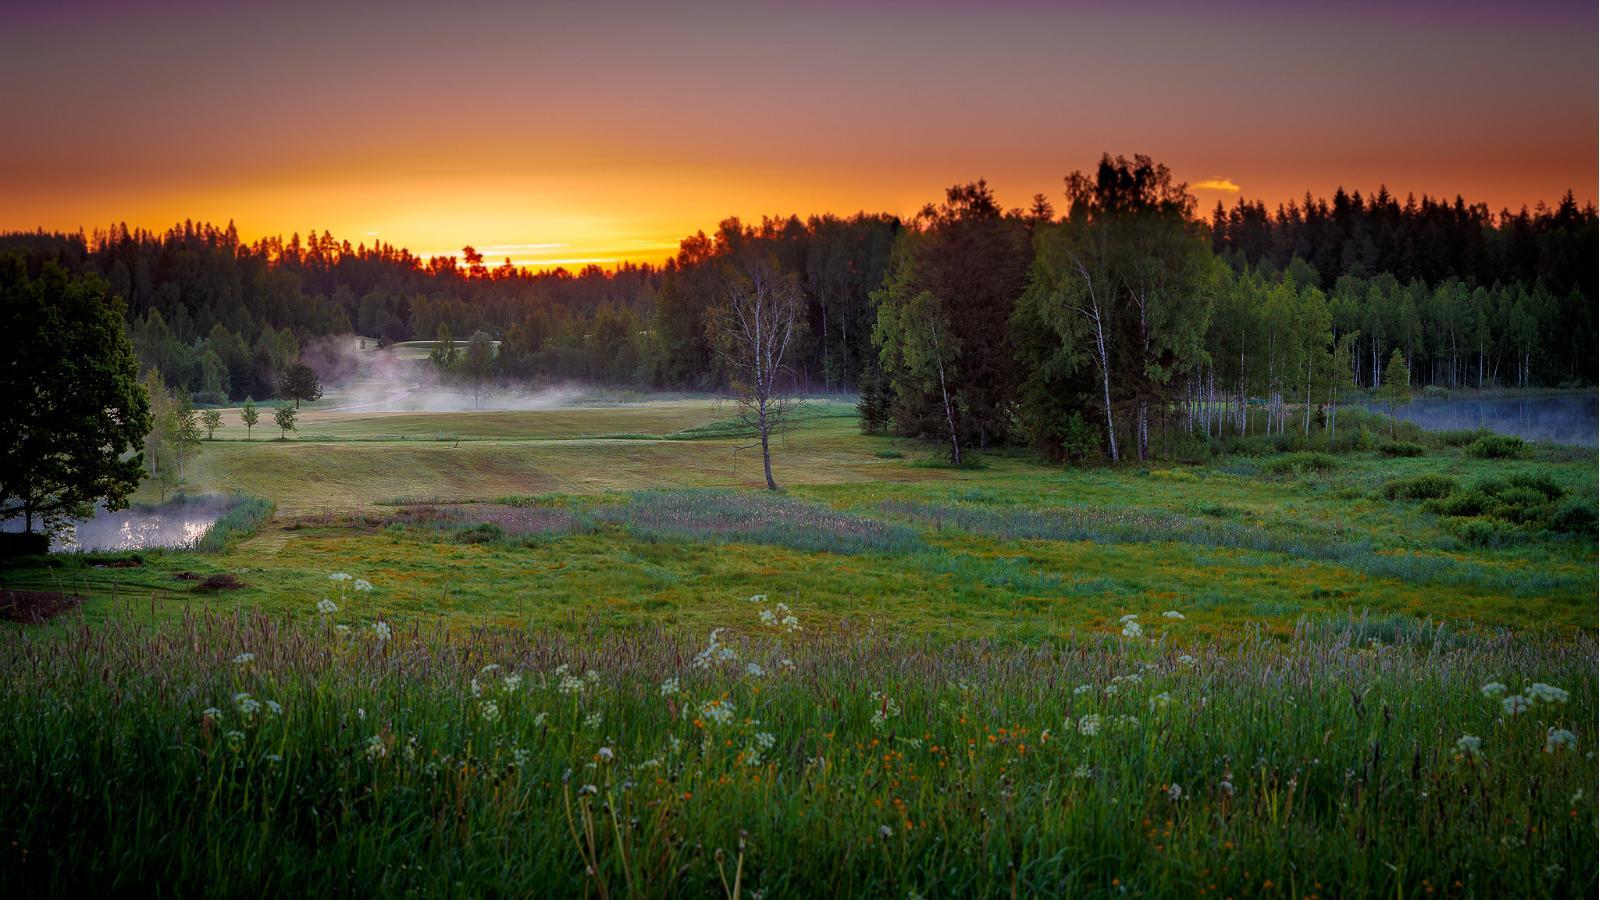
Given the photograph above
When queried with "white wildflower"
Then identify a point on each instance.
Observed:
(1545, 693)
(1160, 701)
(1172, 614)
(511, 682)
(718, 711)
(1089, 725)
(1083, 771)
(1132, 629)
(1515, 705)
(757, 598)
(887, 709)
(538, 720)
(327, 607)
(1492, 690)
(376, 748)
(592, 720)
(1559, 739)
(1174, 793)
(211, 712)
(339, 576)
(1469, 745)
(362, 585)
(1185, 660)
(380, 630)
(341, 629)
(1082, 689)
(753, 670)
(274, 707)
(235, 739)
(489, 709)
(885, 832)
(605, 754)
(243, 658)
(670, 687)
(247, 705)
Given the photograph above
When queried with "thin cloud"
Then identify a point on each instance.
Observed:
(1217, 183)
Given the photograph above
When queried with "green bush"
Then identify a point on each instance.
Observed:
(1302, 462)
(1573, 519)
(1542, 482)
(1462, 503)
(1479, 531)
(1435, 392)
(1081, 441)
(1459, 437)
(889, 454)
(1495, 446)
(239, 522)
(1401, 448)
(1422, 487)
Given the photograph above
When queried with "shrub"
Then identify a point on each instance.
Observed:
(1401, 448)
(1301, 462)
(239, 522)
(1541, 482)
(889, 454)
(1435, 392)
(1459, 437)
(1422, 487)
(1495, 446)
(1463, 503)
(1573, 519)
(1080, 441)
(1479, 531)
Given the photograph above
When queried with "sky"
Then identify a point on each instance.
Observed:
(606, 131)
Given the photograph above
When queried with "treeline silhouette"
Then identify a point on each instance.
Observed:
(1468, 296)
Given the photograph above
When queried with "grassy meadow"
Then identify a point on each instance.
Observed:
(578, 649)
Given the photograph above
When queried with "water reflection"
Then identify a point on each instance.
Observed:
(1558, 418)
(174, 524)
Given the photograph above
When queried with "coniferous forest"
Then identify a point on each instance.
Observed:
(1079, 325)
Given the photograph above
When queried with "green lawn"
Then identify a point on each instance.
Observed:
(1224, 543)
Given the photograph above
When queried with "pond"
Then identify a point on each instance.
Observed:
(1558, 418)
(176, 523)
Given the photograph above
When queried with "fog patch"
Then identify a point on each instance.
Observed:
(178, 523)
(1556, 418)
(358, 377)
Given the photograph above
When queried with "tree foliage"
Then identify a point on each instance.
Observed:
(72, 411)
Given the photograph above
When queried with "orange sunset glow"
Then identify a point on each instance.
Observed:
(607, 133)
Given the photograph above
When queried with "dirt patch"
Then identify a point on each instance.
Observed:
(34, 607)
(222, 581)
(187, 576)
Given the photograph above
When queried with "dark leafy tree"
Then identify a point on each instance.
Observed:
(72, 410)
(300, 382)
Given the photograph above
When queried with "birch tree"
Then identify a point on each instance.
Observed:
(754, 332)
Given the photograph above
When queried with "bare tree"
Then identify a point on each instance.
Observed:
(754, 331)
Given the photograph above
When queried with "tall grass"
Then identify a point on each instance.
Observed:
(1113, 525)
(245, 514)
(497, 761)
(757, 518)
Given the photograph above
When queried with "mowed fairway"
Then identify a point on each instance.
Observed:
(347, 461)
(1017, 548)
